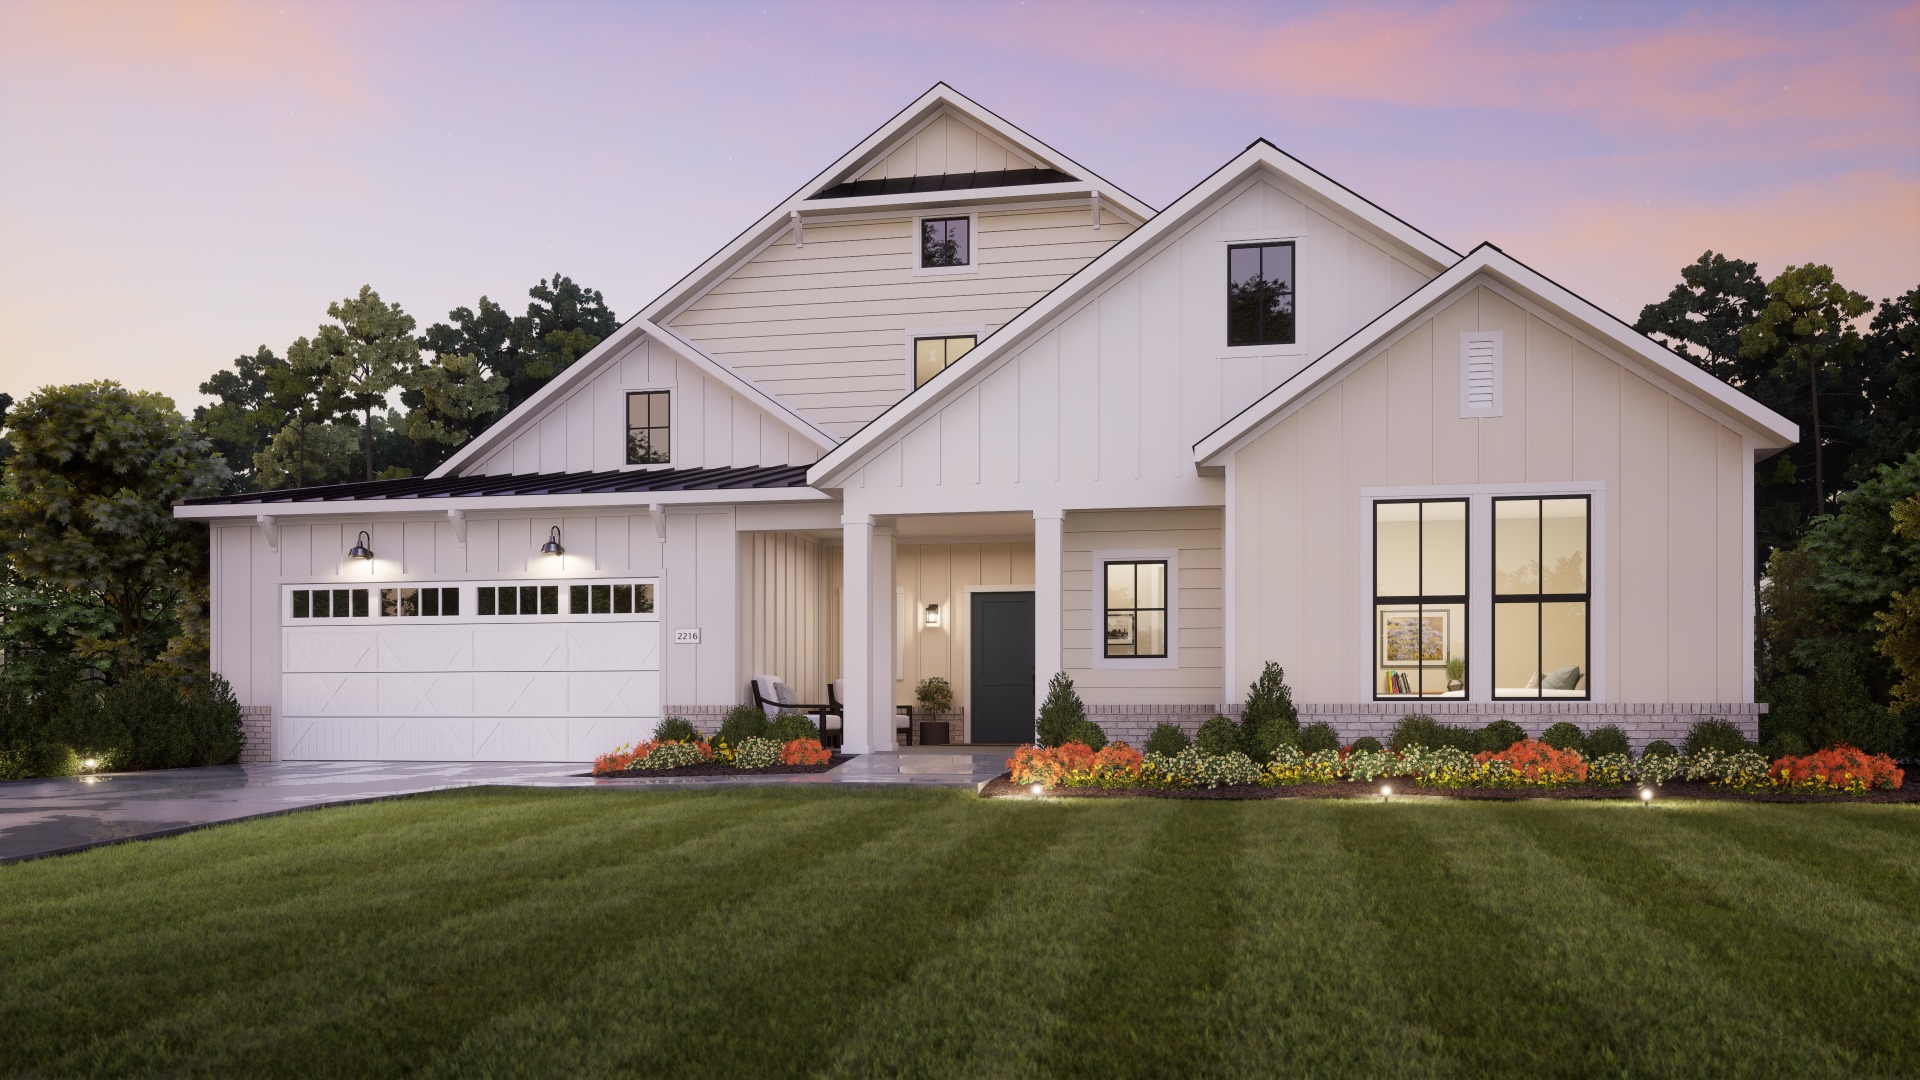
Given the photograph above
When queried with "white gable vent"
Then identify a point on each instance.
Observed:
(1480, 374)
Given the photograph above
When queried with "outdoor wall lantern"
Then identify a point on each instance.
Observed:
(552, 546)
(933, 615)
(360, 550)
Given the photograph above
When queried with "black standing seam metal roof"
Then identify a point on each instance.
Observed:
(577, 483)
(967, 181)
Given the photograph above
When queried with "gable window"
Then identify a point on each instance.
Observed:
(1260, 294)
(649, 430)
(1420, 598)
(1136, 609)
(945, 242)
(931, 355)
(1541, 597)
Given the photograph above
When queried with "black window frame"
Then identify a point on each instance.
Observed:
(1541, 598)
(1165, 609)
(666, 455)
(966, 243)
(1419, 600)
(1261, 338)
(305, 603)
(948, 339)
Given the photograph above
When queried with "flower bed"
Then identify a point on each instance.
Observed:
(714, 757)
(1525, 769)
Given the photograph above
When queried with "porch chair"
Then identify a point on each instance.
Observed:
(773, 696)
(837, 702)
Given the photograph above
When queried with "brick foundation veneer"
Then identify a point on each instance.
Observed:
(256, 734)
(1643, 722)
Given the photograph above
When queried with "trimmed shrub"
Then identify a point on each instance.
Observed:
(1089, 733)
(1659, 748)
(1784, 744)
(1564, 736)
(1715, 733)
(675, 729)
(1499, 735)
(1061, 710)
(49, 759)
(1269, 719)
(1167, 740)
(934, 694)
(1605, 741)
(757, 752)
(1217, 736)
(1366, 744)
(1319, 736)
(787, 727)
(1419, 729)
(742, 722)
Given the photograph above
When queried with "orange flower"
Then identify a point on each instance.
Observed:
(1538, 763)
(805, 752)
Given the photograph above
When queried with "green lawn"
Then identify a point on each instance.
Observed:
(857, 932)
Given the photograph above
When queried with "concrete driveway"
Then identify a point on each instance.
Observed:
(51, 817)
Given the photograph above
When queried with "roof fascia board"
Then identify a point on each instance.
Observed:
(1532, 291)
(1151, 237)
(1337, 194)
(285, 512)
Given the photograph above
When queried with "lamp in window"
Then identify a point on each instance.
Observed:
(360, 550)
(932, 618)
(552, 546)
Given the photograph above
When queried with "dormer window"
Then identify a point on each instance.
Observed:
(945, 242)
(1260, 294)
(649, 428)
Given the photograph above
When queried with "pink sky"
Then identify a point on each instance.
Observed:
(180, 183)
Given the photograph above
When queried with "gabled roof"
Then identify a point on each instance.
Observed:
(1488, 263)
(1261, 157)
(649, 319)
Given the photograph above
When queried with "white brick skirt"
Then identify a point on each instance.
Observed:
(1643, 722)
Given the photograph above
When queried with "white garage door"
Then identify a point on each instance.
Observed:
(489, 671)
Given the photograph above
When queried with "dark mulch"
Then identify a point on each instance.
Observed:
(1003, 786)
(710, 768)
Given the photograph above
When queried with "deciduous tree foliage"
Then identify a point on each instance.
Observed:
(562, 322)
(1806, 326)
(89, 501)
(359, 357)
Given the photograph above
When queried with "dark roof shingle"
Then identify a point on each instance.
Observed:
(576, 483)
(914, 185)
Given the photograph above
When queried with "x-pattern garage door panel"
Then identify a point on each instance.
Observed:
(557, 689)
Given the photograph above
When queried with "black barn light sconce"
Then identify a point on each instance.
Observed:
(360, 550)
(552, 546)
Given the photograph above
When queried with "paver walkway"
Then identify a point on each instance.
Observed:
(46, 817)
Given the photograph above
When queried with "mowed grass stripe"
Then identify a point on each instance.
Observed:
(853, 932)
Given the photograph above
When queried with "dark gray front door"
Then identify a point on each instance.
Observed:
(1002, 667)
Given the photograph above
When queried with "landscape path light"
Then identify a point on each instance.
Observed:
(1646, 796)
(1386, 792)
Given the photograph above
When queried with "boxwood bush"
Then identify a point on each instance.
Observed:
(1167, 741)
(675, 729)
(1499, 735)
(1564, 736)
(1605, 741)
(1219, 735)
(790, 726)
(1715, 733)
(1367, 744)
(742, 722)
(1419, 729)
(145, 722)
(1319, 736)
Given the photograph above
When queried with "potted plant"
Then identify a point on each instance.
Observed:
(935, 694)
(1456, 673)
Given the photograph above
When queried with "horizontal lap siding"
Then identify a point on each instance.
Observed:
(1197, 536)
(1669, 618)
(824, 326)
(942, 574)
(586, 431)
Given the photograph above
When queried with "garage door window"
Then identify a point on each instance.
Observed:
(329, 603)
(610, 599)
(412, 603)
(499, 600)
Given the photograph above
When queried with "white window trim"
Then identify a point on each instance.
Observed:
(1497, 406)
(673, 428)
(1301, 317)
(978, 332)
(1096, 634)
(973, 244)
(1480, 580)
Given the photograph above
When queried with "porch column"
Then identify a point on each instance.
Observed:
(1046, 601)
(866, 644)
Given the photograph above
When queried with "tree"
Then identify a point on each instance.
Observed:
(360, 356)
(6, 448)
(1807, 325)
(1890, 385)
(300, 455)
(1269, 720)
(1702, 318)
(1899, 625)
(562, 323)
(247, 414)
(457, 398)
(1061, 714)
(96, 471)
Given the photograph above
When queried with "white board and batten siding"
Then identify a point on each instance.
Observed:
(1117, 389)
(946, 143)
(824, 326)
(586, 431)
(1670, 621)
(695, 572)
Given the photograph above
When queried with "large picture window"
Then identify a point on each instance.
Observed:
(1260, 294)
(1136, 609)
(1541, 597)
(649, 428)
(1420, 598)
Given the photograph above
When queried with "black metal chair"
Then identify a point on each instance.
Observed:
(839, 709)
(770, 694)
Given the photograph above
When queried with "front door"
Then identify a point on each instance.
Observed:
(1002, 667)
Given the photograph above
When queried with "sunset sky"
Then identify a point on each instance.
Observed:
(183, 182)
